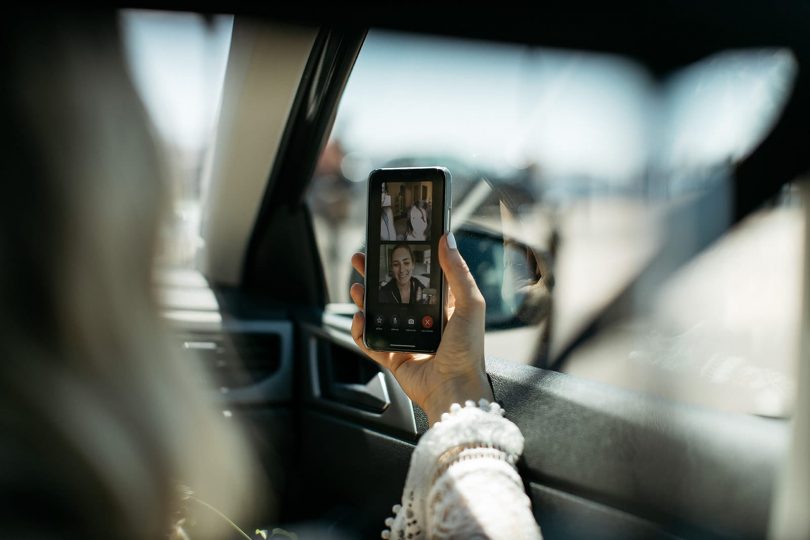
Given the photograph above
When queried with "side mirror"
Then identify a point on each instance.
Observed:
(516, 280)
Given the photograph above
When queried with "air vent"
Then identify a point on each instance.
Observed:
(235, 359)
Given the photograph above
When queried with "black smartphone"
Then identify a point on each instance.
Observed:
(408, 211)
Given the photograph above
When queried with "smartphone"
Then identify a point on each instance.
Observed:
(408, 211)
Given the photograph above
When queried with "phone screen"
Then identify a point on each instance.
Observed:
(404, 283)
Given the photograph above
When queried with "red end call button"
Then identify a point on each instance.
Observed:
(427, 321)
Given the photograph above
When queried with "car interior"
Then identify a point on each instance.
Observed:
(631, 432)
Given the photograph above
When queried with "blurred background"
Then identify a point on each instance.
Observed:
(177, 61)
(591, 198)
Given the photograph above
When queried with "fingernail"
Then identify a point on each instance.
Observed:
(451, 241)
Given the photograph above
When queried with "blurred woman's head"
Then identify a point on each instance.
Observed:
(99, 401)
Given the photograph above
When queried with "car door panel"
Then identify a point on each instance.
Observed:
(562, 515)
(350, 475)
(600, 462)
(670, 461)
(338, 378)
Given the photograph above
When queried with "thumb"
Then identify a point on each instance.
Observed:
(465, 291)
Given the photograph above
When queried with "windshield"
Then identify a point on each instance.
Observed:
(613, 181)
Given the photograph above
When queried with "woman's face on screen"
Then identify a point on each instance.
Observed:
(401, 265)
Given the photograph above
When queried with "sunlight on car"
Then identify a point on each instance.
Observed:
(723, 331)
(584, 190)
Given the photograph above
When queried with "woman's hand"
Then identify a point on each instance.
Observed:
(456, 372)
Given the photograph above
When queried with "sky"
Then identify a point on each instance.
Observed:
(575, 113)
(495, 105)
(491, 106)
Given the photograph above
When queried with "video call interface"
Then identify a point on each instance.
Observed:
(408, 272)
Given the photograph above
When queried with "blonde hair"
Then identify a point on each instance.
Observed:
(99, 400)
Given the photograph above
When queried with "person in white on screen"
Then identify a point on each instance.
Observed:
(462, 482)
(418, 223)
(387, 230)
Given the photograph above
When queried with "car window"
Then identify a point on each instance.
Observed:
(177, 61)
(584, 185)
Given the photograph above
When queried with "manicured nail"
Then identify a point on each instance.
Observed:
(451, 241)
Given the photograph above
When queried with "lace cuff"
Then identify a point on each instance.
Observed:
(462, 482)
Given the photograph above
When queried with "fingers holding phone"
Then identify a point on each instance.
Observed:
(456, 372)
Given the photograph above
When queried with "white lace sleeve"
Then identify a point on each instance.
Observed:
(463, 483)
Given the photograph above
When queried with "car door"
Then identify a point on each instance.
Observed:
(603, 459)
